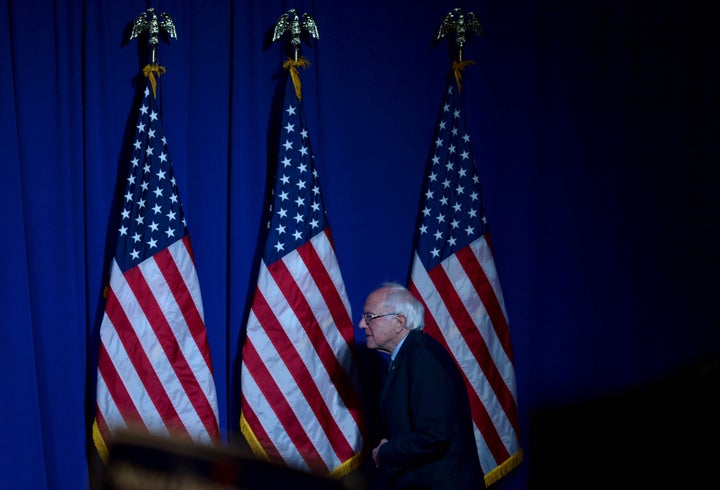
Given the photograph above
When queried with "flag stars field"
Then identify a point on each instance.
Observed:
(297, 188)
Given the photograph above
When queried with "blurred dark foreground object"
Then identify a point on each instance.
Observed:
(142, 461)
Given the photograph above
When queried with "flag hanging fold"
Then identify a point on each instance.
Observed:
(300, 402)
(453, 273)
(154, 369)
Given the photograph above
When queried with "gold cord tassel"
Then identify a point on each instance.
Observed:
(293, 65)
(149, 71)
(458, 67)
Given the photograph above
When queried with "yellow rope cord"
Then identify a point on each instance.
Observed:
(458, 67)
(149, 72)
(293, 65)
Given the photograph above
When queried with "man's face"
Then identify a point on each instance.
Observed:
(380, 326)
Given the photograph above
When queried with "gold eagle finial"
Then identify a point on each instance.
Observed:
(290, 22)
(463, 24)
(149, 21)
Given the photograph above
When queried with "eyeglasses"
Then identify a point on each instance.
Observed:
(369, 317)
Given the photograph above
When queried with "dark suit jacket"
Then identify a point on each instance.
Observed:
(425, 413)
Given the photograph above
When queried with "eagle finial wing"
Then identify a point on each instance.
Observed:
(310, 26)
(473, 23)
(139, 25)
(281, 26)
(168, 24)
(448, 23)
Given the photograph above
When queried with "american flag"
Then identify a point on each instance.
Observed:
(454, 274)
(154, 369)
(300, 403)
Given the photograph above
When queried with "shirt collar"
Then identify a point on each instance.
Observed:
(397, 348)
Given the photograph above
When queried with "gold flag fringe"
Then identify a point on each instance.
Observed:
(100, 443)
(506, 467)
(458, 67)
(292, 65)
(149, 71)
(252, 441)
(347, 467)
(343, 470)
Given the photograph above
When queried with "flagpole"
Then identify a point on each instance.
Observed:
(454, 274)
(290, 23)
(464, 24)
(149, 21)
(154, 372)
(300, 402)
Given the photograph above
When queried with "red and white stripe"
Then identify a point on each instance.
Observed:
(300, 406)
(465, 311)
(154, 367)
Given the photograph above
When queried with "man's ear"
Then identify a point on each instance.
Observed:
(402, 321)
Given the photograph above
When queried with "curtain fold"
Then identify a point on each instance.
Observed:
(21, 401)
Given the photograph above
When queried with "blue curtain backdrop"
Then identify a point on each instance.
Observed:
(595, 129)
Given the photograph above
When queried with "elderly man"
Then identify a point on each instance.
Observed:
(424, 408)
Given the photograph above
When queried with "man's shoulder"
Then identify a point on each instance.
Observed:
(423, 341)
(423, 338)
